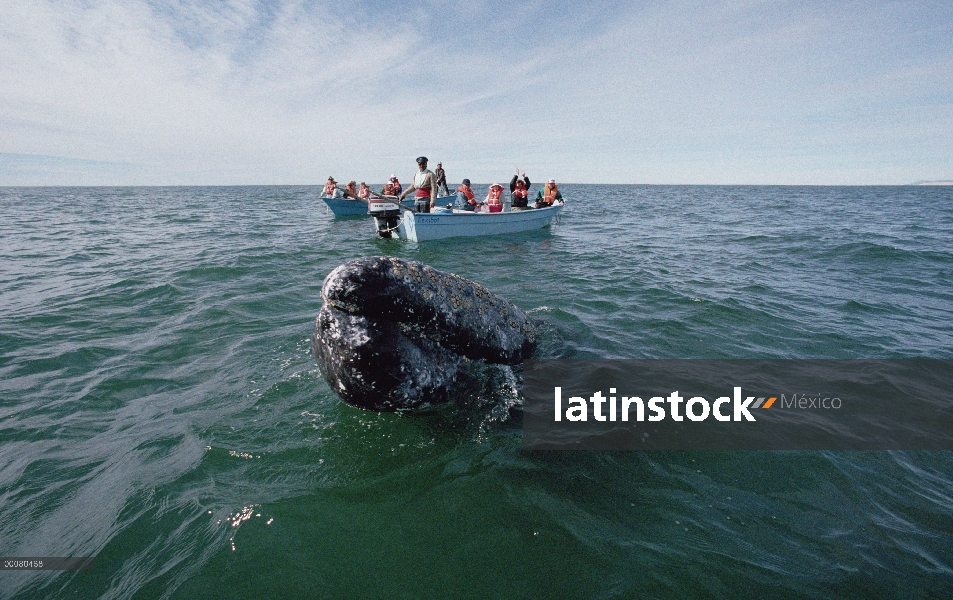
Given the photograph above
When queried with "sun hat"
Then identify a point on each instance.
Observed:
(551, 181)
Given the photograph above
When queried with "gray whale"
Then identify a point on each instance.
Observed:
(395, 334)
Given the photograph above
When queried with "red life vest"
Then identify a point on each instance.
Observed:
(328, 189)
(520, 190)
(493, 197)
(364, 193)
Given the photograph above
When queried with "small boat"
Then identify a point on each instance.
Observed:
(346, 207)
(446, 223)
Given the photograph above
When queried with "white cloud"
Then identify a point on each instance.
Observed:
(246, 92)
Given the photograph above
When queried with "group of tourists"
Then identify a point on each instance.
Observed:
(519, 195)
(426, 186)
(354, 192)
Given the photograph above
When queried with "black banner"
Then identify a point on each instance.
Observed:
(902, 404)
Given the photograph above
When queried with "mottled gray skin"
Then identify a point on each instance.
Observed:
(394, 334)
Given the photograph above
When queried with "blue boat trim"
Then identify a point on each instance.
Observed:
(346, 207)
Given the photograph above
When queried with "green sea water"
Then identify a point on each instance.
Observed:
(160, 408)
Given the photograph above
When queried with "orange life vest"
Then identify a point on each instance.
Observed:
(328, 189)
(466, 192)
(549, 193)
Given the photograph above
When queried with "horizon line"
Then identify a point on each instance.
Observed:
(937, 183)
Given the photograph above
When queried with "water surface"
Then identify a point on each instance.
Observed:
(160, 408)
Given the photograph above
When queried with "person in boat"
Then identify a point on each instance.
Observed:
(465, 198)
(364, 192)
(331, 189)
(388, 189)
(494, 198)
(441, 179)
(549, 195)
(395, 185)
(519, 191)
(424, 187)
(351, 190)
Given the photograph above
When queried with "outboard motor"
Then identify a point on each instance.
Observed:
(386, 214)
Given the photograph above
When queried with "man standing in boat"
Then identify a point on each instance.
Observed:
(441, 179)
(425, 184)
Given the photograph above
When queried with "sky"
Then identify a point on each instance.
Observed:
(235, 92)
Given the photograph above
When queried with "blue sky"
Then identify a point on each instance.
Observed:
(241, 92)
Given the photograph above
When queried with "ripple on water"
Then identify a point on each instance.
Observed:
(158, 394)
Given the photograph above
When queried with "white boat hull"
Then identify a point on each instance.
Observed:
(421, 227)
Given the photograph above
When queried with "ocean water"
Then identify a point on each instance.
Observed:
(160, 408)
